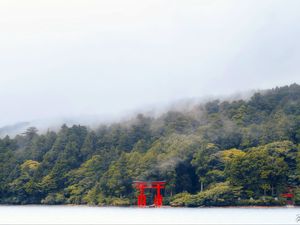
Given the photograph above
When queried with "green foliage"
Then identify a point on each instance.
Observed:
(221, 194)
(117, 201)
(297, 196)
(54, 199)
(216, 154)
(181, 199)
(94, 196)
(206, 161)
(81, 182)
(266, 169)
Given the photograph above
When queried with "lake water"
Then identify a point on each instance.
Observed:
(112, 215)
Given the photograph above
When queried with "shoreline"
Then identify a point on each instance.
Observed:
(147, 207)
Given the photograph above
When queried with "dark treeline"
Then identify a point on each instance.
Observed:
(218, 153)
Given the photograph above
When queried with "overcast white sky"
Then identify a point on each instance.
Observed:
(93, 57)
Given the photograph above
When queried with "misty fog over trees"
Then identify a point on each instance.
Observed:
(216, 154)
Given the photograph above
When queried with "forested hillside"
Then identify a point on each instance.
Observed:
(218, 153)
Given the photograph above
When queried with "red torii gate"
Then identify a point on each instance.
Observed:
(142, 185)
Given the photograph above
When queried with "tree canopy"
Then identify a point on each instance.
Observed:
(219, 153)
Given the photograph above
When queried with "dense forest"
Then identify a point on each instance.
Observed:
(242, 152)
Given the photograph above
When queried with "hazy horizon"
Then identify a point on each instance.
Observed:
(185, 105)
(68, 59)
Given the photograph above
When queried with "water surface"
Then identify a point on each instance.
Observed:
(115, 215)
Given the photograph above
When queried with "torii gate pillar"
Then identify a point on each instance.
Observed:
(141, 197)
(158, 199)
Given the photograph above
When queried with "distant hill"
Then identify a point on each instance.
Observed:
(14, 129)
(218, 153)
